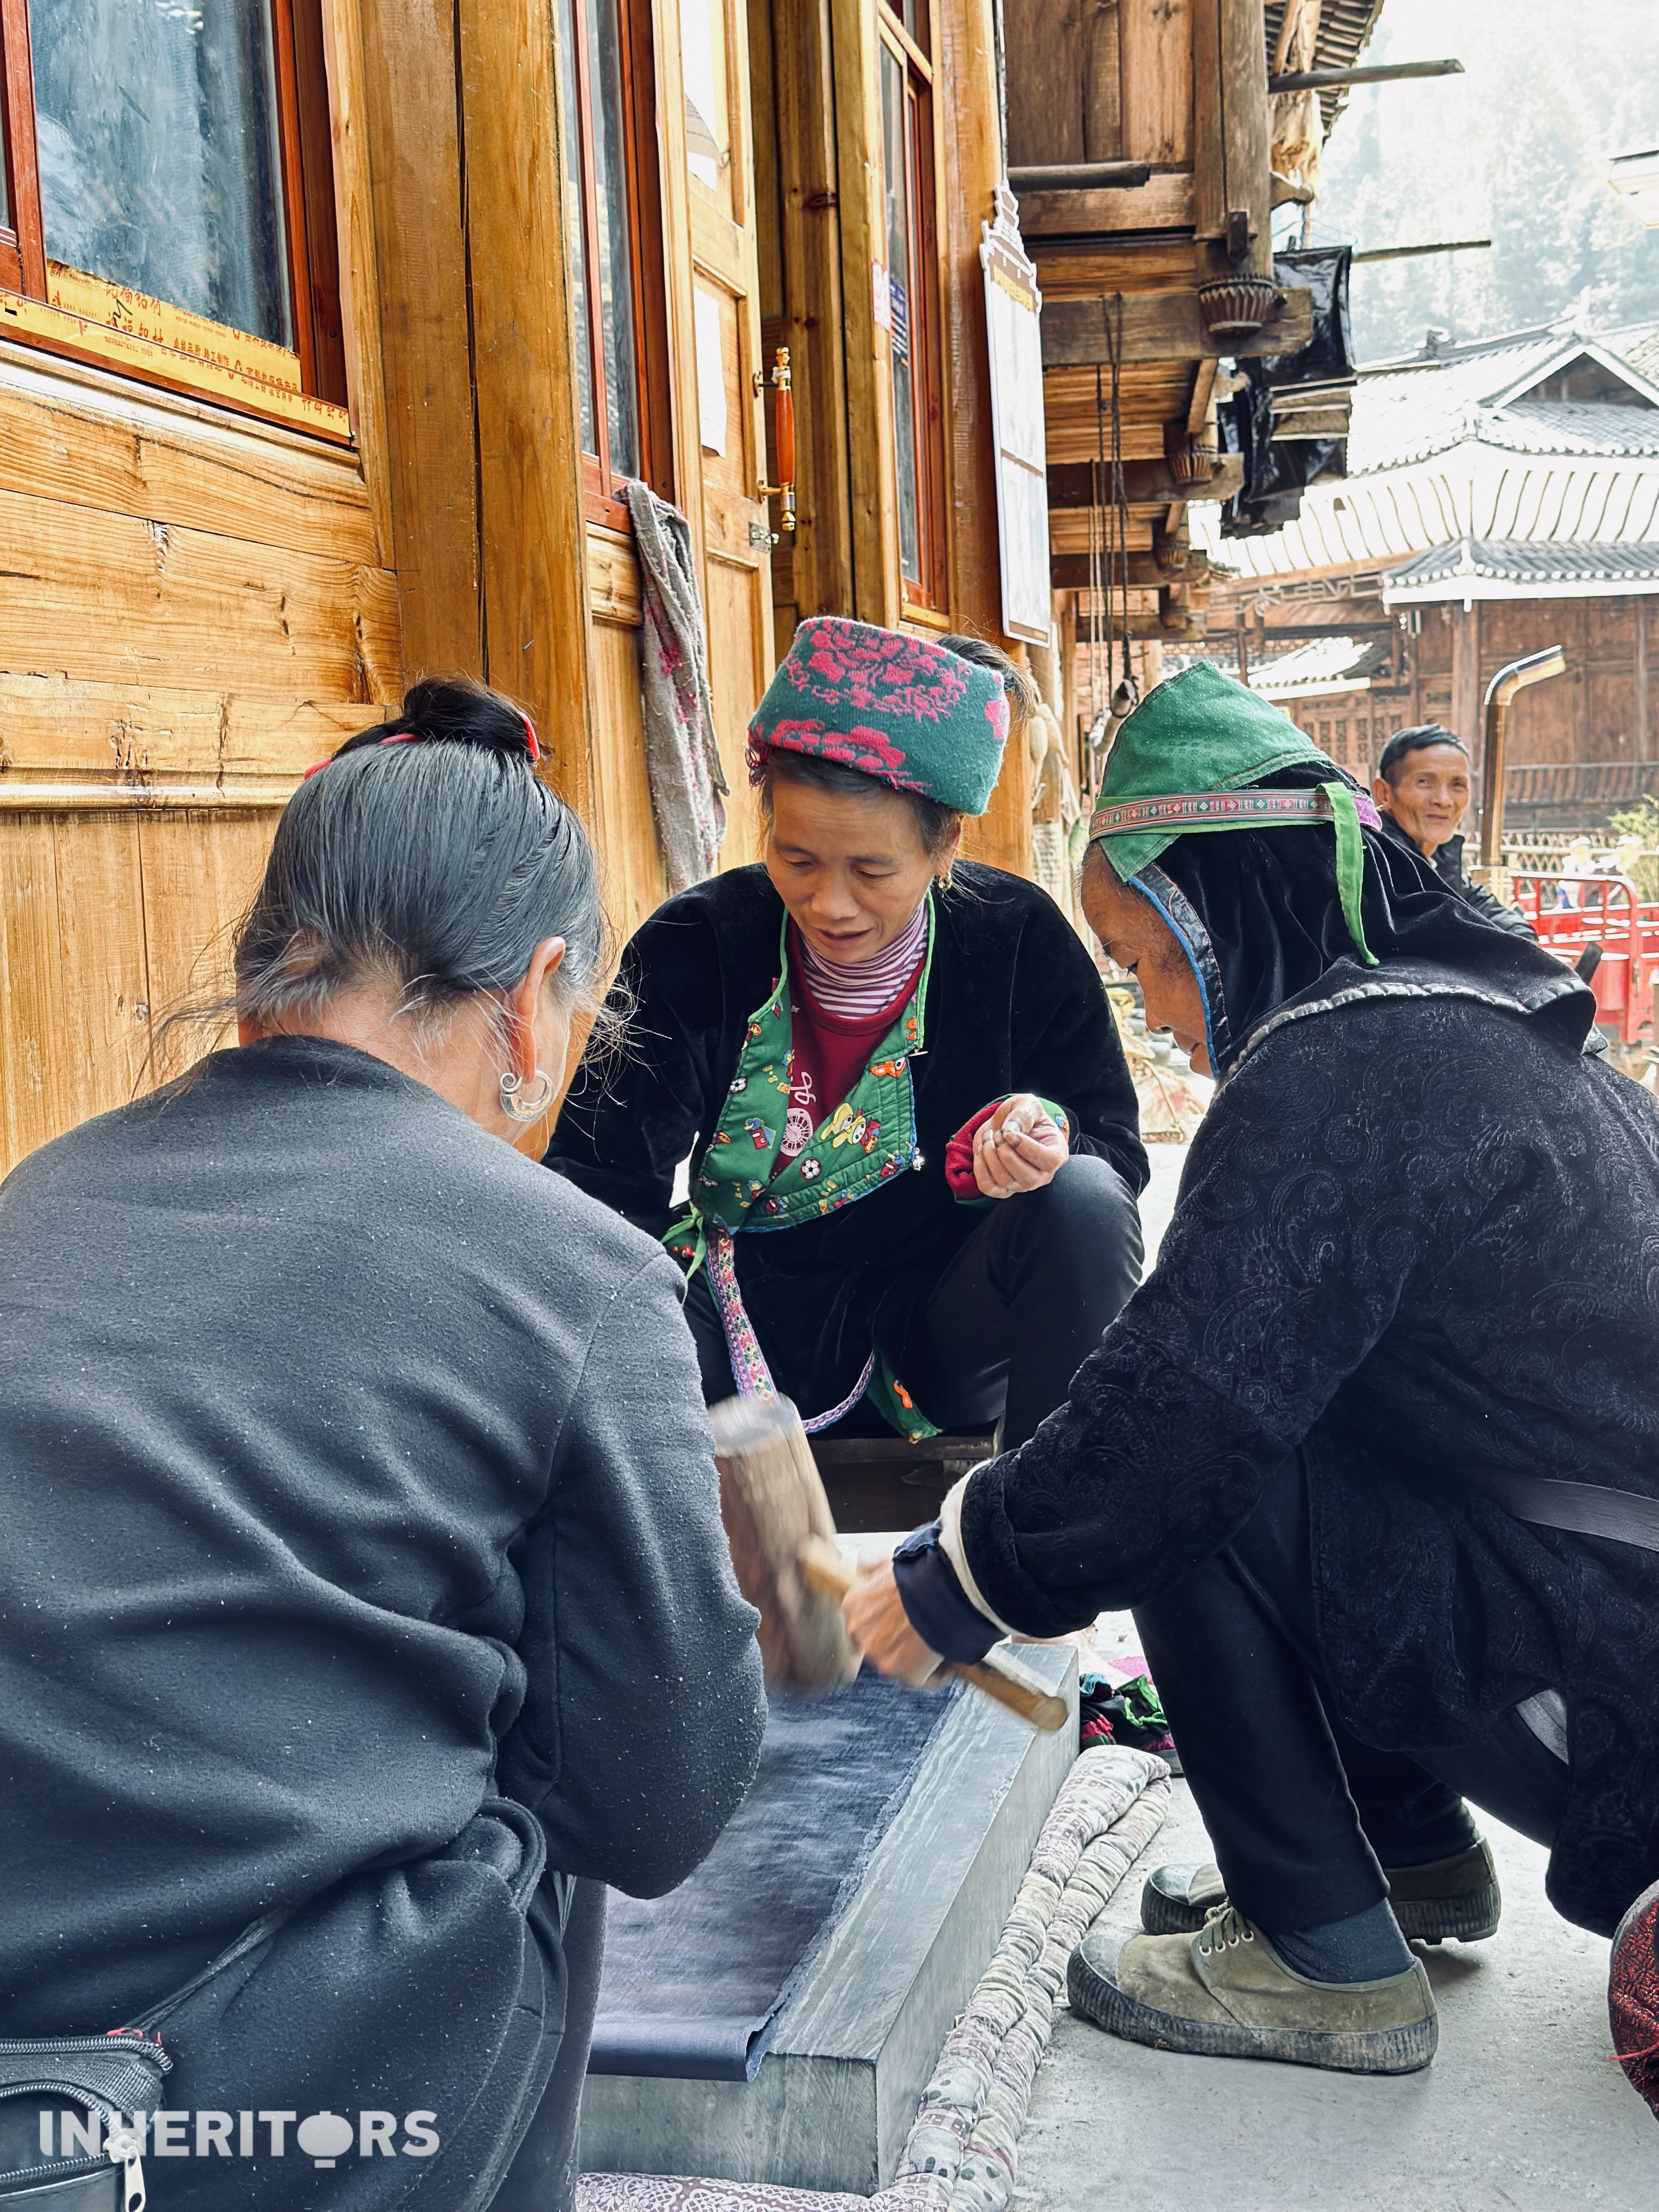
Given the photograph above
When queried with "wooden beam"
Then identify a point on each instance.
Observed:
(1047, 72)
(410, 73)
(1145, 575)
(359, 273)
(1232, 194)
(1147, 483)
(1313, 422)
(813, 324)
(1411, 252)
(1080, 176)
(1203, 399)
(877, 587)
(1069, 572)
(1156, 47)
(1325, 80)
(1164, 203)
(1164, 326)
(529, 473)
(965, 49)
(1246, 133)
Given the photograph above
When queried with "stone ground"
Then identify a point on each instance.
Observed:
(1520, 2109)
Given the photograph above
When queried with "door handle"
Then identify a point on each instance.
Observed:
(784, 429)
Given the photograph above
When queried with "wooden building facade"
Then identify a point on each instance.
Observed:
(327, 369)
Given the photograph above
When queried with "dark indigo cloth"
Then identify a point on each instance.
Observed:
(1448, 864)
(1014, 1002)
(353, 1469)
(1417, 1237)
(697, 1984)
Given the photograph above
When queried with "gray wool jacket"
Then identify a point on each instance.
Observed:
(352, 1469)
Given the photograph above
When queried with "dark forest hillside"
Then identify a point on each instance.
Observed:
(1514, 151)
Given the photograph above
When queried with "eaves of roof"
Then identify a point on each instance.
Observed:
(1518, 569)
(1570, 427)
(1345, 30)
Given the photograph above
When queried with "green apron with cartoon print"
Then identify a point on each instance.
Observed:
(870, 1138)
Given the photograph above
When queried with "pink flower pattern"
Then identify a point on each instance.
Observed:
(885, 672)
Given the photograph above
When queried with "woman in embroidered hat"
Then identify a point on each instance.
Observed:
(1374, 1452)
(860, 1046)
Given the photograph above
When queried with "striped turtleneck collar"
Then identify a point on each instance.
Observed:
(850, 990)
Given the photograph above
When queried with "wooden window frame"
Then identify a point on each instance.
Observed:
(642, 181)
(87, 318)
(927, 595)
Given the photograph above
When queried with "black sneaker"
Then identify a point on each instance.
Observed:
(1456, 1897)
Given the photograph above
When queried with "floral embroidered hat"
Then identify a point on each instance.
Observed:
(910, 713)
(1191, 758)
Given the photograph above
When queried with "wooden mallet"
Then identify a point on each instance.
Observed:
(789, 1566)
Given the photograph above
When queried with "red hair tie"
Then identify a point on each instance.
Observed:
(530, 735)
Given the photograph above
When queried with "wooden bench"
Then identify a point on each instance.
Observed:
(885, 1482)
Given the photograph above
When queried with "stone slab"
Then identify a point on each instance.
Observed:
(834, 2099)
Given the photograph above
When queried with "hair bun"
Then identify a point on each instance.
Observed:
(453, 710)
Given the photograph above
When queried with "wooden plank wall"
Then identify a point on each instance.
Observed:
(189, 599)
(1606, 707)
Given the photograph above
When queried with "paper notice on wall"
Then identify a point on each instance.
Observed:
(711, 372)
(1014, 331)
(881, 295)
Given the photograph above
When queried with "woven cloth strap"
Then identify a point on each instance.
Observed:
(1224, 809)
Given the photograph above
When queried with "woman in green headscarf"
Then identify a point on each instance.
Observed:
(1374, 1452)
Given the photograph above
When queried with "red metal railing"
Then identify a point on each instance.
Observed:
(1627, 933)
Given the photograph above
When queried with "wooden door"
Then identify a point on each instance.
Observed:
(720, 352)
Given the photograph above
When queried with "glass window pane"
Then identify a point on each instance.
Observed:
(575, 243)
(161, 166)
(900, 293)
(615, 265)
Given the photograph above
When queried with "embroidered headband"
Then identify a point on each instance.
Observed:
(1187, 813)
(1226, 810)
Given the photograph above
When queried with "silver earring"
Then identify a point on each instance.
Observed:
(521, 1105)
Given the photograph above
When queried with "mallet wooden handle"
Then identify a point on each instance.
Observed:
(823, 1568)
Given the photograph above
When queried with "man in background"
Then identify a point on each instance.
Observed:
(1422, 792)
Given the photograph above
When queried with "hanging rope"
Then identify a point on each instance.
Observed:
(1127, 698)
(1098, 572)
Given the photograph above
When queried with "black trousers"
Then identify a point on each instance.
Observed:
(542, 2175)
(1011, 1317)
(1302, 1815)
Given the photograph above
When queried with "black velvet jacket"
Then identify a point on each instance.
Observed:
(1418, 1236)
(1014, 1002)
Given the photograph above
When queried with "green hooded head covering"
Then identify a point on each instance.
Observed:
(1191, 759)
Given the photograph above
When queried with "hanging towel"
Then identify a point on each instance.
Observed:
(682, 760)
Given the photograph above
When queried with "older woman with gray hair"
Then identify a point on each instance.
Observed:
(365, 1606)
